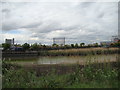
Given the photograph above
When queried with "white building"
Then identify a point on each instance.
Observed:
(10, 41)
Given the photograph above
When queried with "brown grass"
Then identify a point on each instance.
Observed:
(86, 49)
(83, 50)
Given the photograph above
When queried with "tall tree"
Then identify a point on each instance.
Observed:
(76, 45)
(72, 45)
(6, 46)
(26, 46)
(96, 44)
(82, 44)
(35, 46)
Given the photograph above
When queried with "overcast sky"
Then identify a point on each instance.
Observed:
(78, 22)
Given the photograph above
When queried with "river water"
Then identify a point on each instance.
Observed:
(67, 60)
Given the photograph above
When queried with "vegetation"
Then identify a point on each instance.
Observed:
(6, 46)
(80, 52)
(72, 45)
(87, 77)
(0, 45)
(26, 46)
(76, 45)
(82, 44)
(34, 46)
(65, 52)
(116, 44)
(38, 47)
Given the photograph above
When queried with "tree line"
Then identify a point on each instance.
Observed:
(36, 46)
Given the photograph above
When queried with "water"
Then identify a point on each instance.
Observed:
(68, 59)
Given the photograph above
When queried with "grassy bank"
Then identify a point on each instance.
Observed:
(61, 52)
(80, 52)
(87, 77)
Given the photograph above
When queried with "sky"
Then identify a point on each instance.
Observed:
(40, 22)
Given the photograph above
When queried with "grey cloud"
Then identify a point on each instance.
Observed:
(84, 21)
(86, 4)
(5, 10)
(101, 15)
(33, 25)
(10, 26)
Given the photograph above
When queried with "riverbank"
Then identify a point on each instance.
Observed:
(66, 52)
(62, 76)
(97, 72)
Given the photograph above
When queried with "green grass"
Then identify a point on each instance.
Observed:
(87, 77)
(94, 84)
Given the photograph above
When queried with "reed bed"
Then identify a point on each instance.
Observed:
(85, 51)
(93, 74)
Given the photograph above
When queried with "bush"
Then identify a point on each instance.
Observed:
(85, 77)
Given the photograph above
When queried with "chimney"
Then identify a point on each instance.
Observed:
(13, 41)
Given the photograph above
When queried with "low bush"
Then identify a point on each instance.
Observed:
(80, 78)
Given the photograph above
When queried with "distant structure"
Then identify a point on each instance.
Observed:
(105, 43)
(115, 39)
(10, 41)
(59, 41)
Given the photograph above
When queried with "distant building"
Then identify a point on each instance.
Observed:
(59, 41)
(115, 39)
(1, 48)
(10, 41)
(17, 48)
(106, 43)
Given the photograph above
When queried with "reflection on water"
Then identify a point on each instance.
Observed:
(70, 59)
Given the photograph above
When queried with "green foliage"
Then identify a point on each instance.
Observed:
(96, 45)
(6, 46)
(82, 44)
(87, 77)
(26, 46)
(18, 78)
(72, 45)
(117, 44)
(55, 45)
(35, 46)
(0, 45)
(76, 45)
(44, 46)
(67, 46)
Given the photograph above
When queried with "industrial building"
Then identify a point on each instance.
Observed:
(10, 41)
(106, 43)
(115, 39)
(59, 41)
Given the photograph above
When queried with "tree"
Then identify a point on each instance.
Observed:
(56, 45)
(44, 46)
(96, 44)
(82, 44)
(35, 46)
(117, 44)
(66, 46)
(72, 45)
(6, 46)
(76, 45)
(26, 46)
(0, 45)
